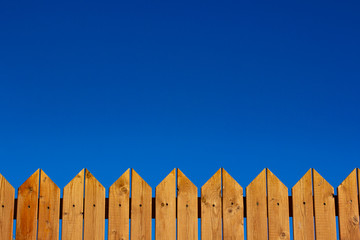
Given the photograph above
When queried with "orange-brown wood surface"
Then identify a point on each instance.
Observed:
(119, 193)
(49, 209)
(324, 205)
(303, 212)
(94, 208)
(278, 208)
(348, 205)
(187, 208)
(211, 225)
(141, 207)
(27, 208)
(72, 212)
(233, 208)
(256, 208)
(7, 194)
(165, 205)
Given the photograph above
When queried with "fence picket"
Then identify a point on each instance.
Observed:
(165, 208)
(27, 209)
(141, 208)
(348, 205)
(211, 208)
(303, 212)
(73, 210)
(278, 208)
(94, 208)
(7, 194)
(233, 208)
(324, 205)
(119, 193)
(187, 209)
(49, 209)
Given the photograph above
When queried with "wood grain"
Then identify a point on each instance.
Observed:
(187, 208)
(141, 208)
(324, 204)
(94, 208)
(211, 226)
(256, 208)
(233, 208)
(278, 208)
(303, 212)
(7, 194)
(49, 209)
(348, 205)
(165, 205)
(73, 209)
(118, 223)
(27, 209)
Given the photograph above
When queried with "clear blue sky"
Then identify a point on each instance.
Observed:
(149, 85)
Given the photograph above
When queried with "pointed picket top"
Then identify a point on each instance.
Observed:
(94, 208)
(7, 195)
(49, 208)
(141, 208)
(233, 208)
(73, 208)
(348, 204)
(211, 208)
(256, 208)
(278, 208)
(303, 212)
(26, 220)
(119, 194)
(165, 208)
(324, 204)
(187, 208)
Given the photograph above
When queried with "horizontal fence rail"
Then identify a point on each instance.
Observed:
(176, 207)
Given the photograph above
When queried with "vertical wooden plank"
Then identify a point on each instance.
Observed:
(141, 208)
(118, 223)
(165, 208)
(27, 208)
(211, 226)
(324, 204)
(278, 208)
(49, 209)
(303, 211)
(256, 208)
(187, 208)
(233, 208)
(94, 208)
(72, 215)
(7, 195)
(348, 205)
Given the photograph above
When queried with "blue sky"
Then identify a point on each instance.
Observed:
(198, 86)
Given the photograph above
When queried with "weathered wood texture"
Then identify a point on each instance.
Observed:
(141, 208)
(303, 211)
(211, 209)
(176, 207)
(278, 208)
(233, 208)
(187, 208)
(165, 205)
(94, 208)
(7, 194)
(348, 203)
(73, 208)
(324, 205)
(256, 208)
(27, 210)
(49, 209)
(119, 193)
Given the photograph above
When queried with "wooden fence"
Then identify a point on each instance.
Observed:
(176, 207)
